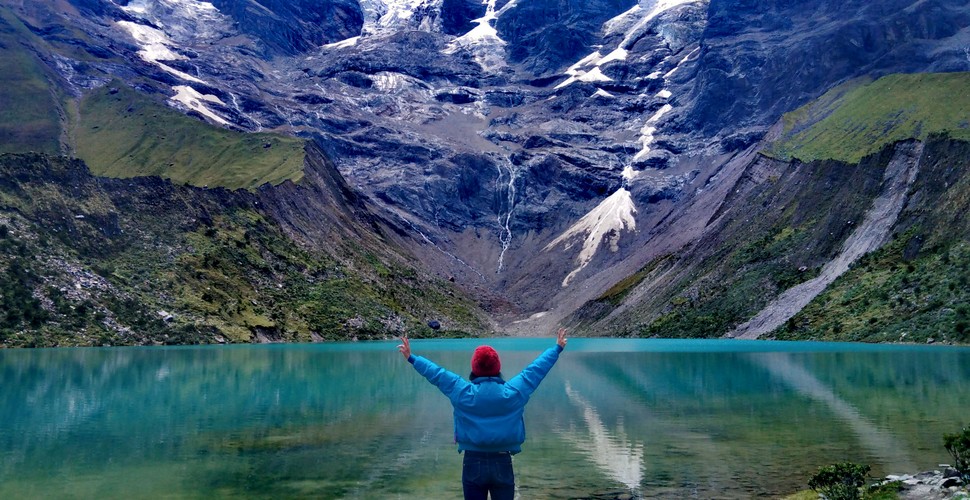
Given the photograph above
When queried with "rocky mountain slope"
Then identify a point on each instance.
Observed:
(792, 235)
(554, 159)
(95, 261)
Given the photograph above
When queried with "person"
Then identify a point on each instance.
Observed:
(488, 414)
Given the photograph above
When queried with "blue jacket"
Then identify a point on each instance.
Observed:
(488, 410)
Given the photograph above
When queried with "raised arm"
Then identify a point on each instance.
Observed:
(528, 380)
(405, 348)
(449, 383)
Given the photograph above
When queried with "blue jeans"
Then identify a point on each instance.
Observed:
(487, 472)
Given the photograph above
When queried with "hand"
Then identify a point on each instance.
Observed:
(405, 347)
(561, 338)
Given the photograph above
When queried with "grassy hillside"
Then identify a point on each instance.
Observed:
(778, 233)
(94, 261)
(29, 119)
(861, 117)
(782, 222)
(120, 132)
(917, 287)
(786, 218)
(890, 298)
(123, 134)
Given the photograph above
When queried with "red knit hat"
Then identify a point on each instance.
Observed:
(485, 362)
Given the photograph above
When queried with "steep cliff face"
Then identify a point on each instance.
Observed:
(546, 36)
(289, 27)
(761, 59)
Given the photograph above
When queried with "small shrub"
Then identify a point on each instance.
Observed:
(961, 327)
(885, 491)
(840, 481)
(958, 445)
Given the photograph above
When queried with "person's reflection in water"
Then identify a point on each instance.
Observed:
(489, 427)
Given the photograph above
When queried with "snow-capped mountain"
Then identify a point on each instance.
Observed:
(536, 151)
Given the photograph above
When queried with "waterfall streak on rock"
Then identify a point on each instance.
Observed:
(505, 236)
(235, 105)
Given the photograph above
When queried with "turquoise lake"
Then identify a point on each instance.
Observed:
(651, 418)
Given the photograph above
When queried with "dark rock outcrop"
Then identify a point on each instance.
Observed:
(289, 27)
(761, 59)
(546, 36)
(456, 15)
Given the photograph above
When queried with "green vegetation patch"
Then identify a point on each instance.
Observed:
(917, 286)
(783, 231)
(89, 261)
(622, 288)
(29, 119)
(124, 134)
(860, 117)
(889, 298)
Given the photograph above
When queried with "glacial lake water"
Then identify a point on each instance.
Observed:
(655, 418)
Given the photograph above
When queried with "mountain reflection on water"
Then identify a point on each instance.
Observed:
(880, 442)
(611, 451)
(649, 418)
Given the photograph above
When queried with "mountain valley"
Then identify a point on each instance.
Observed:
(253, 170)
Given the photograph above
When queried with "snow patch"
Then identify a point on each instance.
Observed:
(186, 8)
(617, 55)
(591, 59)
(646, 133)
(155, 44)
(622, 22)
(657, 8)
(681, 63)
(343, 44)
(633, 23)
(192, 99)
(183, 20)
(593, 75)
(156, 47)
(389, 15)
(629, 173)
(602, 93)
(181, 74)
(483, 40)
(605, 222)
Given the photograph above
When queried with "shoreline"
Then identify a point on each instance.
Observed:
(936, 484)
